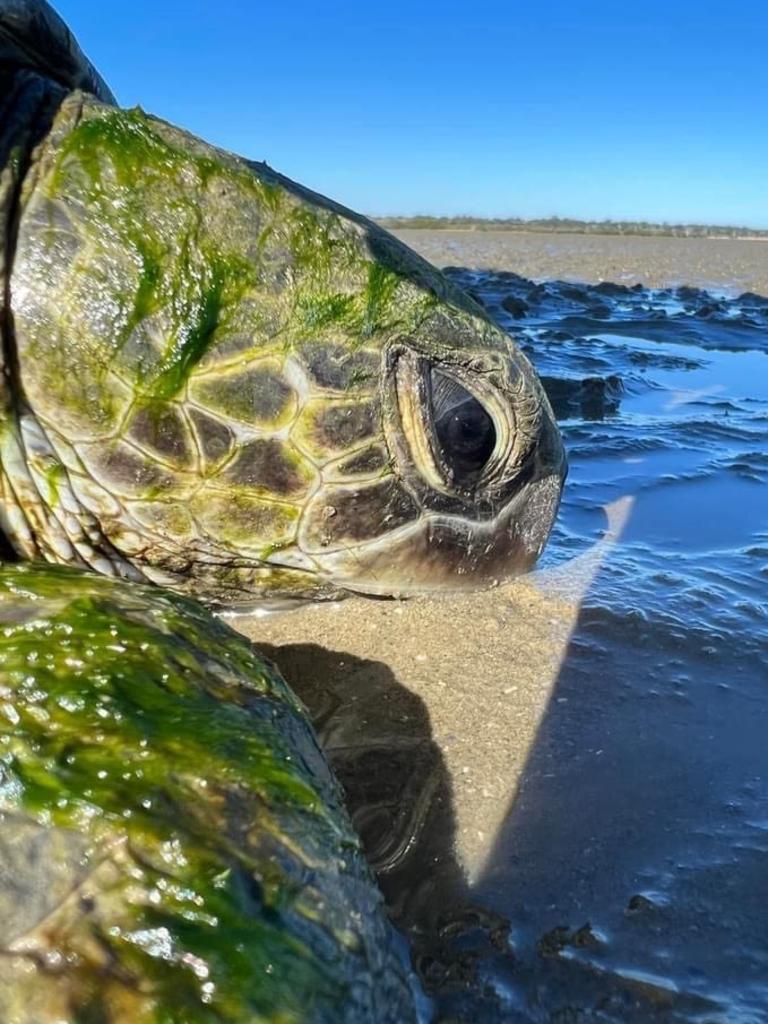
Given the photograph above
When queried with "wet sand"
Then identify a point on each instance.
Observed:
(429, 712)
(482, 665)
(720, 264)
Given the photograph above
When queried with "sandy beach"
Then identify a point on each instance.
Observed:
(729, 265)
(476, 671)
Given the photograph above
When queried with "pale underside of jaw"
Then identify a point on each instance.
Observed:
(446, 553)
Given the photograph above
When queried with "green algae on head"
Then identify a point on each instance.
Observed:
(181, 854)
(186, 324)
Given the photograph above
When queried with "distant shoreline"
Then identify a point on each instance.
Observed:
(729, 265)
(565, 226)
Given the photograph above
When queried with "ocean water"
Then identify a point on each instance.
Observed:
(631, 872)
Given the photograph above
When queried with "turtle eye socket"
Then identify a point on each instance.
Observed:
(466, 436)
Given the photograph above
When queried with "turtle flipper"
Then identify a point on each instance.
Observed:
(173, 847)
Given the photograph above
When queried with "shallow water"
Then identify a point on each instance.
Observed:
(641, 818)
(564, 784)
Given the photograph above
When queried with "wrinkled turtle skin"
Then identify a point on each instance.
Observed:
(218, 380)
(173, 849)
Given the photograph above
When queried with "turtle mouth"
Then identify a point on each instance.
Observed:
(454, 432)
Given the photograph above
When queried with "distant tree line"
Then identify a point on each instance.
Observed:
(570, 225)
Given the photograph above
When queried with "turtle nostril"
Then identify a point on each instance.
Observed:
(466, 436)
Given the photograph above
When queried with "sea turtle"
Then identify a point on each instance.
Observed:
(220, 381)
(173, 848)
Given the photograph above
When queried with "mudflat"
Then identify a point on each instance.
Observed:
(718, 264)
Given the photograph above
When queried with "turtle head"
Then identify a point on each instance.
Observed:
(233, 386)
(466, 486)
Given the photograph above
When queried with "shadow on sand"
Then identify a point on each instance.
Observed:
(620, 862)
(378, 740)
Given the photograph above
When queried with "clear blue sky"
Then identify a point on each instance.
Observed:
(609, 109)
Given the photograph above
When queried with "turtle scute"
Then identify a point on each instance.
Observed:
(172, 846)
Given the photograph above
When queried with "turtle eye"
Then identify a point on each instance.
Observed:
(464, 430)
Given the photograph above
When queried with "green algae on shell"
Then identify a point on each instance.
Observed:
(179, 849)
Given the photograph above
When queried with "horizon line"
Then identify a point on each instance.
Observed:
(637, 225)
